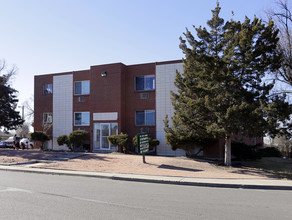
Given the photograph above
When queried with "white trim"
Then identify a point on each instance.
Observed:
(105, 116)
(165, 77)
(109, 131)
(62, 108)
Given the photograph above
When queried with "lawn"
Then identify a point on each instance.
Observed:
(275, 165)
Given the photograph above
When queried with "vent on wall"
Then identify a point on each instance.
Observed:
(144, 130)
(144, 95)
(81, 99)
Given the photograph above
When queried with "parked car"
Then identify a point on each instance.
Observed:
(26, 143)
(2, 143)
(10, 143)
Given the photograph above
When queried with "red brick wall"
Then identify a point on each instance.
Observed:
(42, 103)
(106, 92)
(134, 102)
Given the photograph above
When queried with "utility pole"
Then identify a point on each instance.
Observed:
(22, 116)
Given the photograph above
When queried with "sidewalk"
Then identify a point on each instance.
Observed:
(167, 170)
(266, 184)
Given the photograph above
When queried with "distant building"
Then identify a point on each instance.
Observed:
(109, 99)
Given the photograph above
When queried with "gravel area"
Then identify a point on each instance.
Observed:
(133, 164)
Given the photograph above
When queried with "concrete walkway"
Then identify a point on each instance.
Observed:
(267, 184)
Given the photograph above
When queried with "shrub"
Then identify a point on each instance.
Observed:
(77, 138)
(120, 140)
(244, 152)
(63, 140)
(39, 136)
(270, 152)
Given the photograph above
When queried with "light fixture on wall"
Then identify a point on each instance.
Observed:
(103, 74)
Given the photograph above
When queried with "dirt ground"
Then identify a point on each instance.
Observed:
(133, 164)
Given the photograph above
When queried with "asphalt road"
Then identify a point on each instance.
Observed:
(40, 196)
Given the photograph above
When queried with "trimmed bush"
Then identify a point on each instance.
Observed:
(270, 152)
(39, 136)
(63, 140)
(77, 138)
(120, 140)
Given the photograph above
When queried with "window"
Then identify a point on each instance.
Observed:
(81, 99)
(82, 88)
(48, 89)
(145, 83)
(146, 117)
(48, 118)
(81, 118)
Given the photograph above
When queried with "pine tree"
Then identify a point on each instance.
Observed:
(221, 90)
(9, 118)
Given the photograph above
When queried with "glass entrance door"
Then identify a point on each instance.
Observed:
(105, 132)
(100, 134)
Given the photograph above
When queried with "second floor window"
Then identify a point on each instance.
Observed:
(47, 89)
(145, 83)
(81, 119)
(82, 88)
(48, 118)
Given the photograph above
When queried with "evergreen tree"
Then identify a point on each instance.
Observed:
(9, 118)
(221, 92)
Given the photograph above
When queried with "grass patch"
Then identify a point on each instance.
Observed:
(275, 165)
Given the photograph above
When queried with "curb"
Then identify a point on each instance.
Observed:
(187, 181)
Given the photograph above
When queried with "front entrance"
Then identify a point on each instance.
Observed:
(101, 132)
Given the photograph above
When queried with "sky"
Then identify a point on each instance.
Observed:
(53, 36)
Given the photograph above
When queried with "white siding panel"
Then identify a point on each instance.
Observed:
(105, 116)
(165, 75)
(62, 108)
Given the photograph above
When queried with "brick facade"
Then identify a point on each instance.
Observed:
(111, 101)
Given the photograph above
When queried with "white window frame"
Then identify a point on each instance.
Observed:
(81, 119)
(82, 93)
(47, 113)
(145, 76)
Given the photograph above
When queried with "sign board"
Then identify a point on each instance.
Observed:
(143, 143)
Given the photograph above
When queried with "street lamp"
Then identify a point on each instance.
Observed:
(22, 111)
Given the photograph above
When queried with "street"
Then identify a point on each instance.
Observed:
(40, 196)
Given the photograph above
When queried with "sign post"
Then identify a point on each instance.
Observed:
(143, 144)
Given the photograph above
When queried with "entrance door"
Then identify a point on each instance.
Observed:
(104, 133)
(100, 134)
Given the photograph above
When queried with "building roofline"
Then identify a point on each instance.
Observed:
(169, 62)
(120, 63)
(62, 73)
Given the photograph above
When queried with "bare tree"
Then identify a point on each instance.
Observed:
(284, 145)
(23, 130)
(29, 110)
(282, 17)
(9, 72)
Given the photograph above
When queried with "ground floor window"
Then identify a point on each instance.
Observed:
(81, 118)
(48, 118)
(146, 117)
(100, 134)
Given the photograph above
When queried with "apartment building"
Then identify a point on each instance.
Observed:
(109, 99)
